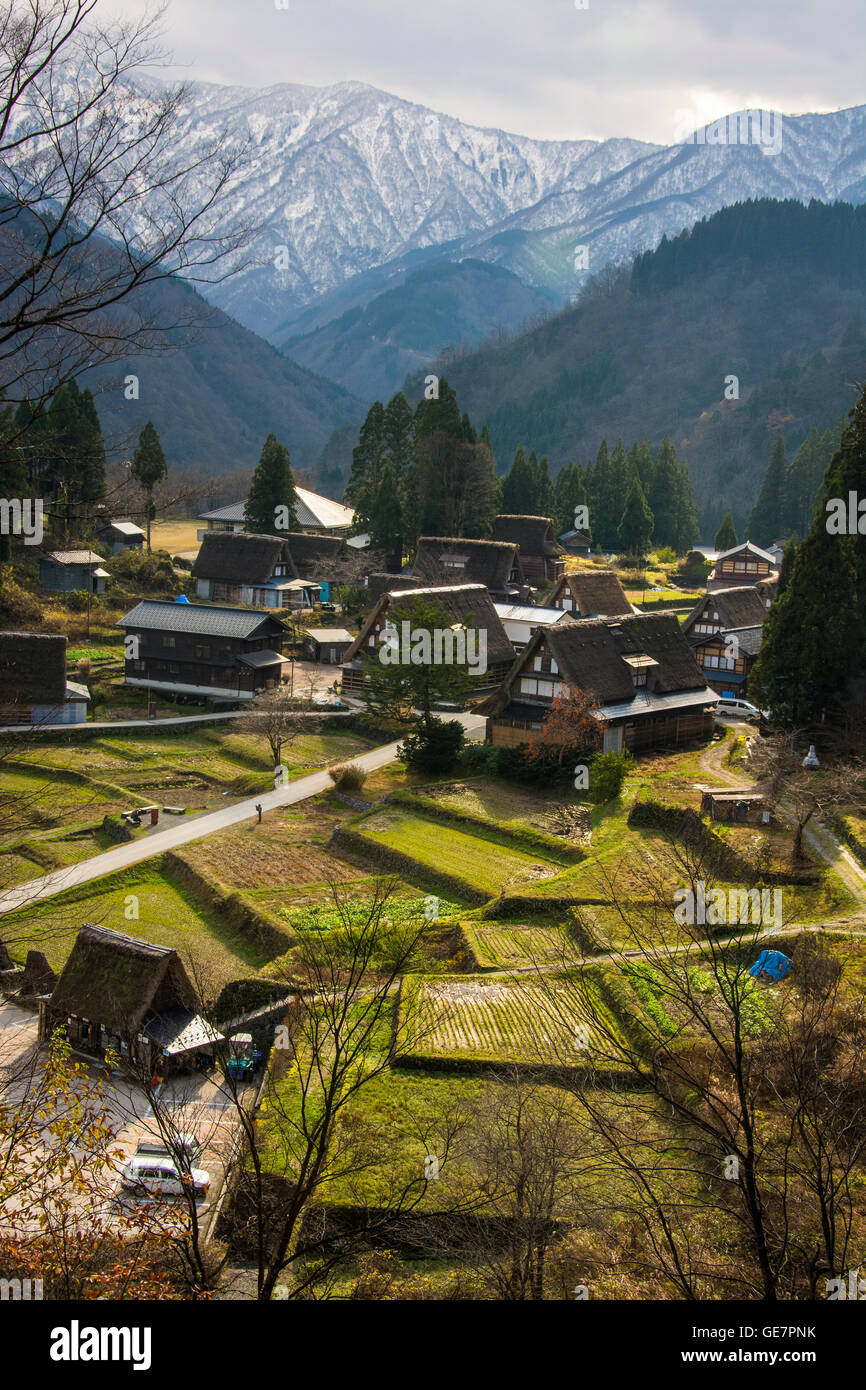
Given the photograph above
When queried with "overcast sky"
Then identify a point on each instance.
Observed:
(539, 67)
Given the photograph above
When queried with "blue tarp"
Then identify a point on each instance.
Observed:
(772, 963)
(181, 598)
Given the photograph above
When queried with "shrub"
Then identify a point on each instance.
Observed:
(348, 777)
(433, 747)
(694, 568)
(154, 572)
(666, 555)
(84, 668)
(76, 600)
(608, 771)
(180, 562)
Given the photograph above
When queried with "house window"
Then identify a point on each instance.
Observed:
(167, 641)
(554, 668)
(202, 650)
(280, 571)
(536, 665)
(639, 676)
(739, 565)
(545, 688)
(568, 604)
(528, 686)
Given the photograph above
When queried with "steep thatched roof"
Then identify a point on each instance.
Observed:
(534, 534)
(597, 593)
(453, 559)
(381, 583)
(32, 668)
(469, 604)
(309, 552)
(593, 655)
(737, 607)
(238, 557)
(116, 980)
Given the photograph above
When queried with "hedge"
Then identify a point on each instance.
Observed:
(518, 837)
(395, 861)
(261, 928)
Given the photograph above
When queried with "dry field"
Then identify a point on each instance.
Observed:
(489, 1021)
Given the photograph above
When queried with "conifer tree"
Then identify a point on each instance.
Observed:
(386, 521)
(814, 637)
(271, 498)
(636, 527)
(767, 519)
(518, 486)
(726, 536)
(368, 457)
(149, 468)
(569, 493)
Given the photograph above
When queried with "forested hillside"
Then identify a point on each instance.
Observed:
(750, 323)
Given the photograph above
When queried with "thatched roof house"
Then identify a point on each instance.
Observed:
(33, 684)
(590, 593)
(32, 668)
(639, 671)
(454, 560)
(725, 609)
(240, 567)
(462, 605)
(132, 995)
(540, 557)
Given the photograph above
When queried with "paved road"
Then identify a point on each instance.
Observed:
(111, 726)
(124, 856)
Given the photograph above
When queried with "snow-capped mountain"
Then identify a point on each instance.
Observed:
(343, 179)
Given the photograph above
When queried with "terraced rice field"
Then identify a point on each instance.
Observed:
(470, 858)
(489, 1021)
(504, 947)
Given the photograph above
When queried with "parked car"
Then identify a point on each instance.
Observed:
(187, 1144)
(738, 709)
(158, 1175)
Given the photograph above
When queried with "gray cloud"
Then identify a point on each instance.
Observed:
(538, 67)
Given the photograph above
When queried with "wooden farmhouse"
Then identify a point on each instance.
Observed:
(258, 571)
(34, 687)
(117, 536)
(540, 559)
(463, 606)
(454, 560)
(575, 543)
(639, 670)
(216, 654)
(590, 593)
(131, 996)
(744, 564)
(724, 630)
(66, 571)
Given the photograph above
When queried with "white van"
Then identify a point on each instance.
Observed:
(737, 709)
(158, 1175)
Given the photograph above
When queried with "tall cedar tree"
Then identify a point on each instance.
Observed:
(518, 486)
(272, 486)
(814, 638)
(767, 520)
(726, 536)
(569, 492)
(149, 468)
(386, 522)
(636, 528)
(398, 444)
(368, 457)
(456, 488)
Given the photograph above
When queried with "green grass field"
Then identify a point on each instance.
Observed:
(501, 946)
(471, 859)
(165, 915)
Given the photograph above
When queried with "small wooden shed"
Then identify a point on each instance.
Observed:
(734, 804)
